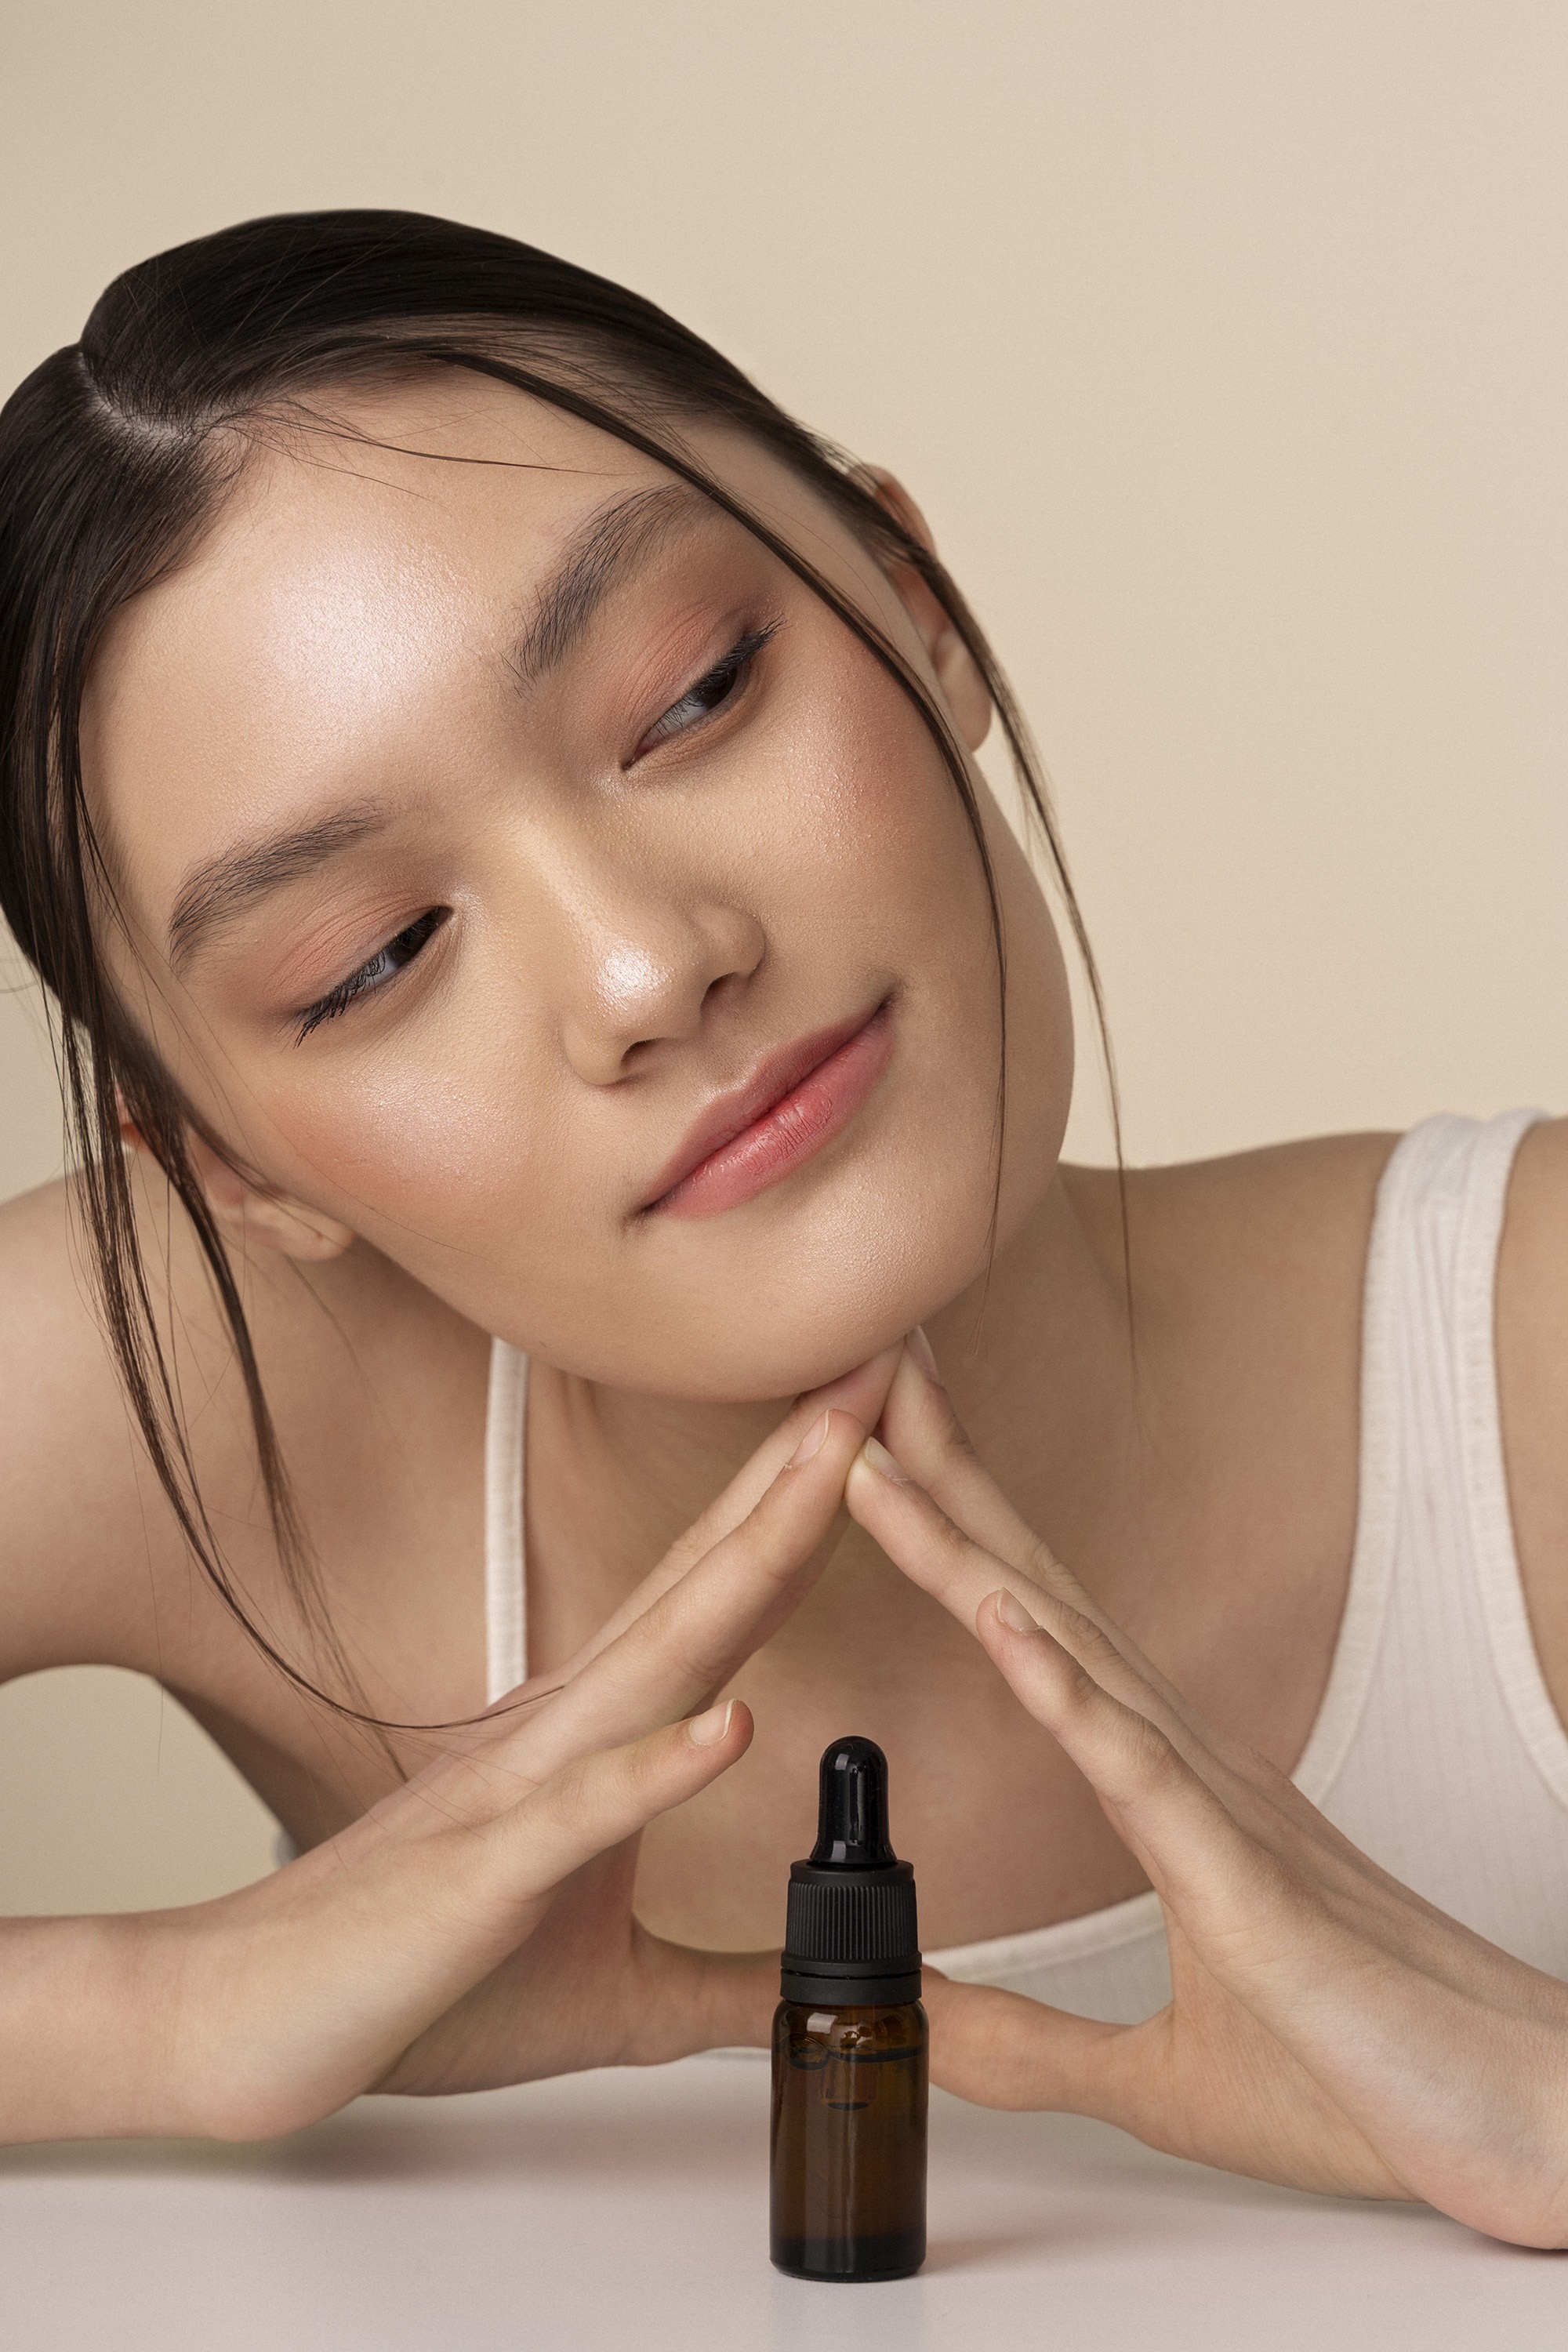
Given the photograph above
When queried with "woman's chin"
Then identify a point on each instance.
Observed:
(760, 1358)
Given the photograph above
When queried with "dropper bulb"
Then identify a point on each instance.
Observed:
(852, 1807)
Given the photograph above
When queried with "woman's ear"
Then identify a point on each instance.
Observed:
(246, 1213)
(963, 689)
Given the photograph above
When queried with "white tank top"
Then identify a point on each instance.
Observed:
(1437, 1748)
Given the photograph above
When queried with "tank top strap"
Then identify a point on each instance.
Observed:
(1430, 1271)
(506, 1566)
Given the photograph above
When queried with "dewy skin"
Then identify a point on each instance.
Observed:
(849, 2043)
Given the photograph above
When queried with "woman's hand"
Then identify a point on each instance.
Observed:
(1328, 2028)
(475, 1927)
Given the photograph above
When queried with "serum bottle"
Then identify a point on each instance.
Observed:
(850, 2043)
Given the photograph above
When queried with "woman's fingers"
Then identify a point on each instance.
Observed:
(597, 1801)
(1262, 1799)
(945, 1561)
(1002, 2050)
(697, 1633)
(488, 1874)
(1282, 1921)
(952, 1530)
(964, 1576)
(862, 1393)
(921, 1431)
(1182, 1832)
(925, 1437)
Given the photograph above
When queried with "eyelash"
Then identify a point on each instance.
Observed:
(727, 673)
(410, 939)
(415, 935)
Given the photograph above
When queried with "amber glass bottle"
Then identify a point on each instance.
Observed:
(849, 2043)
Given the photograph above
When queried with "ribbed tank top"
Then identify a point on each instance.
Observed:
(1437, 1748)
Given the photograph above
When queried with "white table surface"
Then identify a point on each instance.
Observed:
(629, 2208)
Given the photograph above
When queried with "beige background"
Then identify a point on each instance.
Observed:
(1225, 345)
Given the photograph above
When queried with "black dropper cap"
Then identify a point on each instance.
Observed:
(850, 1935)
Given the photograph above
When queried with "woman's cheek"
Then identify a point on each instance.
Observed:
(429, 1157)
(852, 816)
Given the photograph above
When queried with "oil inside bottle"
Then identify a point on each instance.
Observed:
(849, 2140)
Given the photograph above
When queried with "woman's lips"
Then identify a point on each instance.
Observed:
(798, 1101)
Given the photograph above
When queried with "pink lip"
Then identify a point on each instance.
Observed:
(798, 1100)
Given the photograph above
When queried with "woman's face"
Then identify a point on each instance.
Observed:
(501, 831)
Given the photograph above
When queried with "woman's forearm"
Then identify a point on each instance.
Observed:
(90, 2028)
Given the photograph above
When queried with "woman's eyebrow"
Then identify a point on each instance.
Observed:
(212, 893)
(613, 542)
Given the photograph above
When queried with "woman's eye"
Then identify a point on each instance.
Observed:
(709, 693)
(383, 966)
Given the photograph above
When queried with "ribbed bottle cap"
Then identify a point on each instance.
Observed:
(850, 1933)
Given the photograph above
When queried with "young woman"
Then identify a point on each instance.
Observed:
(495, 804)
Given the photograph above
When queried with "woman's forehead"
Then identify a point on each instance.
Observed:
(361, 566)
(395, 497)
(373, 533)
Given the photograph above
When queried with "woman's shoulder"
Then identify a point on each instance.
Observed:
(1533, 1297)
(1248, 1277)
(1264, 1253)
(1534, 1260)
(68, 1462)
(1211, 1235)
(1531, 1326)
(90, 1543)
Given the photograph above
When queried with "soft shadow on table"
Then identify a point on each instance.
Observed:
(984, 2253)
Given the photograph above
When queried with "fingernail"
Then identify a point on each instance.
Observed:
(1011, 1611)
(708, 1730)
(877, 1457)
(919, 1349)
(814, 1440)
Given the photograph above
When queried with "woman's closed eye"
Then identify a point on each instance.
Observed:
(707, 694)
(374, 973)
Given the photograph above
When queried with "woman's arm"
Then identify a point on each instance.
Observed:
(475, 1927)
(472, 1928)
(1328, 2029)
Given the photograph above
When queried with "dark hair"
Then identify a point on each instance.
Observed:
(115, 455)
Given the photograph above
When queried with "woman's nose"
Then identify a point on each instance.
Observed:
(645, 979)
